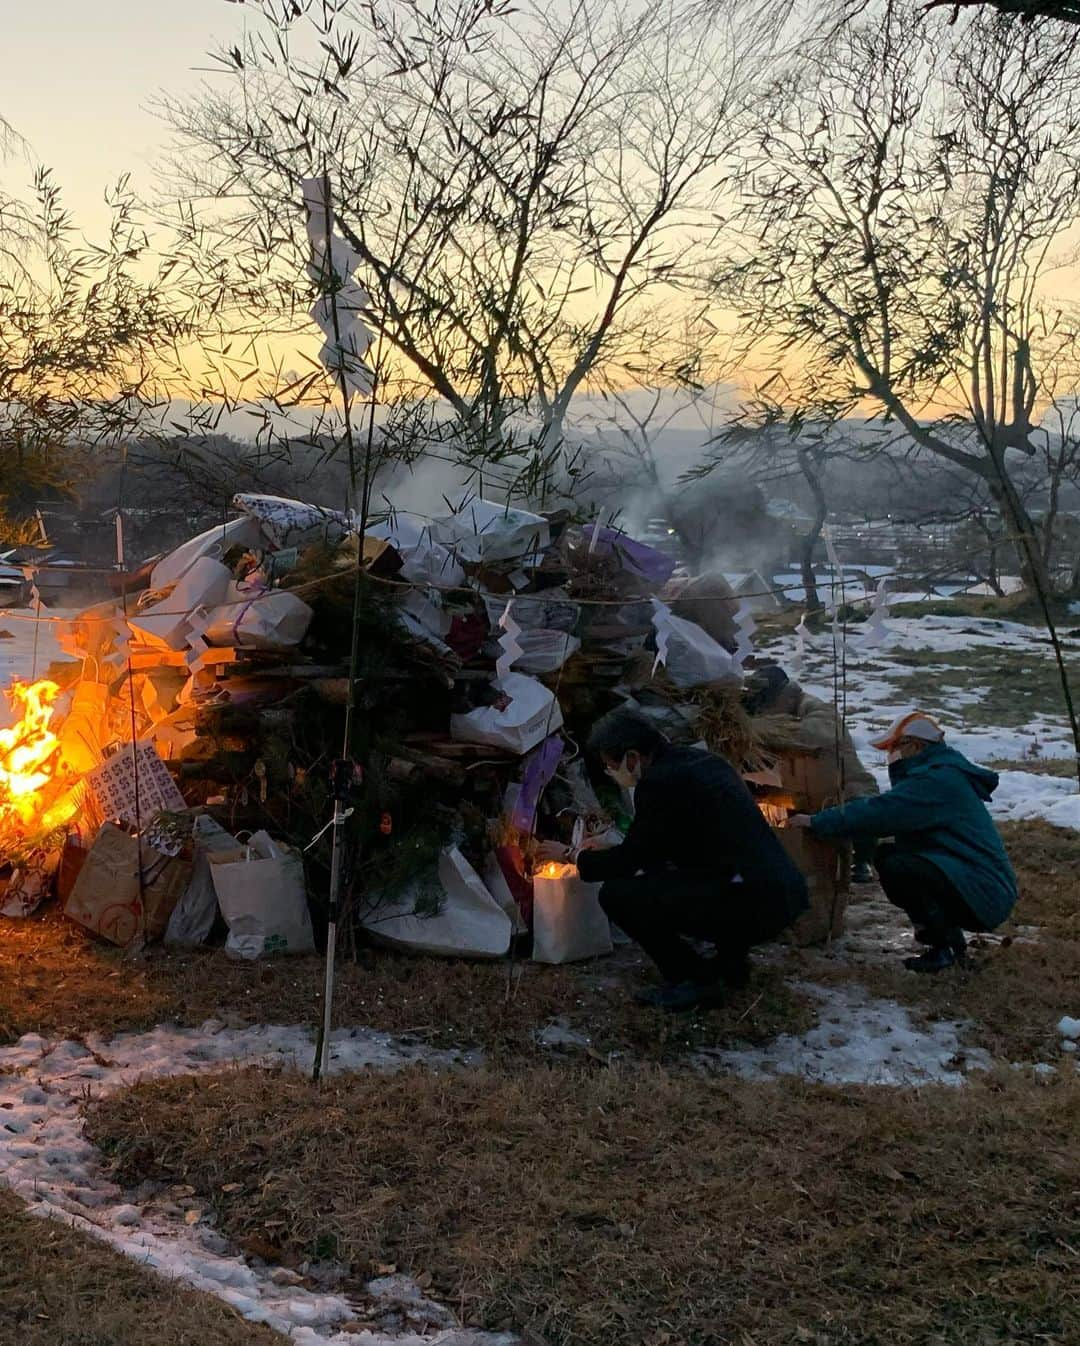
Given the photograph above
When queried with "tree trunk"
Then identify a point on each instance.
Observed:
(810, 539)
(1034, 574)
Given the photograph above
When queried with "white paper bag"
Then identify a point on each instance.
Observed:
(272, 620)
(544, 651)
(165, 624)
(568, 921)
(263, 899)
(469, 923)
(533, 714)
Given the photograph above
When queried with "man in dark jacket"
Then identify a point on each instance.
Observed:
(698, 862)
(946, 866)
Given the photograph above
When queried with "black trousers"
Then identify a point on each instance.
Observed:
(661, 911)
(916, 885)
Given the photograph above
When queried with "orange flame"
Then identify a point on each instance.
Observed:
(26, 747)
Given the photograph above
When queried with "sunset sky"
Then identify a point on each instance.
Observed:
(80, 78)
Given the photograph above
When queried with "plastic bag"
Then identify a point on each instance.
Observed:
(263, 899)
(292, 523)
(470, 923)
(271, 620)
(193, 916)
(544, 651)
(487, 531)
(424, 561)
(551, 610)
(568, 921)
(533, 714)
(689, 654)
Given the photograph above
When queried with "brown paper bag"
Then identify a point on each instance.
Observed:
(106, 899)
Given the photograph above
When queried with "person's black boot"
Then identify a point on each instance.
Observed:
(936, 959)
(690, 995)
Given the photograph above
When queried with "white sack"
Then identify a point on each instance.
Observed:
(293, 523)
(486, 531)
(192, 918)
(568, 921)
(215, 542)
(263, 899)
(165, 624)
(469, 923)
(423, 560)
(533, 714)
(273, 620)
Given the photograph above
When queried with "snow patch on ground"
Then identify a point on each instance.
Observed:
(859, 1040)
(46, 1159)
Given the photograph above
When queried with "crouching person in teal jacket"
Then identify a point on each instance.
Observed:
(946, 865)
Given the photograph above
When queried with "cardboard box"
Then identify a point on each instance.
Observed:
(826, 867)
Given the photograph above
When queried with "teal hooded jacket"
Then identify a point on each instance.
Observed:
(936, 808)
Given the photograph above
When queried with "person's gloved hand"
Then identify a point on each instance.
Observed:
(798, 820)
(553, 850)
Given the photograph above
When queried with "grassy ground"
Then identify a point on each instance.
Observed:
(1013, 608)
(56, 980)
(1014, 992)
(61, 1288)
(635, 1206)
(1013, 687)
(1062, 767)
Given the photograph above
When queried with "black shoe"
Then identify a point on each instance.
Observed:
(863, 872)
(936, 959)
(689, 995)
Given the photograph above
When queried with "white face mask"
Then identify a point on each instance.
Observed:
(625, 776)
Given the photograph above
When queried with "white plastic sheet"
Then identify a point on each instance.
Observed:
(263, 899)
(544, 651)
(193, 916)
(470, 923)
(487, 531)
(532, 714)
(568, 921)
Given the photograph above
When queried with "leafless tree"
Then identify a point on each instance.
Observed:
(899, 229)
(523, 186)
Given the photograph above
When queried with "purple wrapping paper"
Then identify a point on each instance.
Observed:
(539, 769)
(645, 562)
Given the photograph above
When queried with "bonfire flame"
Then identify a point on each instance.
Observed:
(26, 747)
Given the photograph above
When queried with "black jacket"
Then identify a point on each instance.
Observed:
(693, 813)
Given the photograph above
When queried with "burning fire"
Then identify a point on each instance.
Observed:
(26, 747)
(554, 870)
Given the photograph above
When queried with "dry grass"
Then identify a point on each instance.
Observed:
(60, 1288)
(610, 1206)
(55, 980)
(1014, 993)
(1062, 767)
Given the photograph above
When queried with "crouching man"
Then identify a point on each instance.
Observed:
(946, 866)
(699, 862)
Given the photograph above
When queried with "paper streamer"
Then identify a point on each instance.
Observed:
(745, 626)
(802, 634)
(508, 643)
(337, 313)
(662, 627)
(875, 630)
